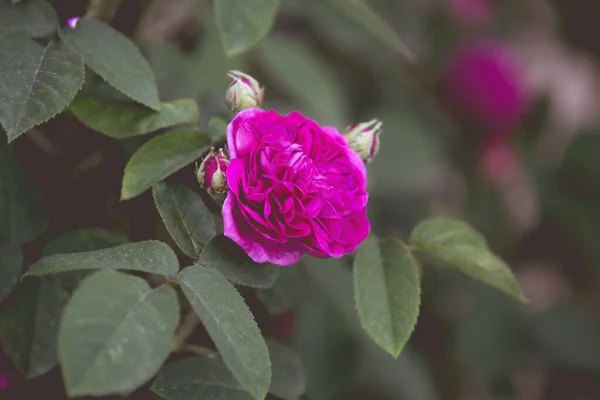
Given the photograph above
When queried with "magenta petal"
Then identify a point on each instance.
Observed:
(335, 134)
(255, 245)
(354, 230)
(235, 175)
(359, 164)
(239, 138)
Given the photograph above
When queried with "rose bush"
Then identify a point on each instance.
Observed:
(295, 187)
(109, 293)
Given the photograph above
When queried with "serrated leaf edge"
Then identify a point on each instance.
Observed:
(155, 108)
(12, 136)
(174, 126)
(434, 249)
(397, 350)
(255, 395)
(163, 176)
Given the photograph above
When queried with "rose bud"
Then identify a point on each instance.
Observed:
(363, 138)
(211, 174)
(244, 92)
(72, 22)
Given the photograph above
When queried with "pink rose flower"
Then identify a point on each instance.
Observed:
(295, 187)
(485, 84)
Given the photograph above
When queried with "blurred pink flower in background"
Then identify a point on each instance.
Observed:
(498, 160)
(485, 84)
(499, 163)
(471, 12)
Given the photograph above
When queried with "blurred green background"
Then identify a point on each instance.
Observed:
(513, 151)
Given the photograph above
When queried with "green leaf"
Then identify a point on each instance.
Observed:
(326, 342)
(307, 78)
(120, 119)
(115, 334)
(198, 378)
(243, 24)
(205, 378)
(228, 258)
(460, 246)
(20, 219)
(35, 18)
(37, 82)
(184, 74)
(160, 157)
(149, 256)
(30, 328)
(231, 326)
(387, 287)
(217, 129)
(374, 23)
(285, 292)
(115, 58)
(186, 217)
(11, 262)
(80, 240)
(288, 381)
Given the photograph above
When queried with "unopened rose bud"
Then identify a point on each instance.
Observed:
(72, 22)
(212, 174)
(363, 138)
(244, 92)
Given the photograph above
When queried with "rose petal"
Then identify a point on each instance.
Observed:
(257, 247)
(240, 138)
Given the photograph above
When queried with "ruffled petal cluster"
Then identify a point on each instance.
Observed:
(295, 187)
